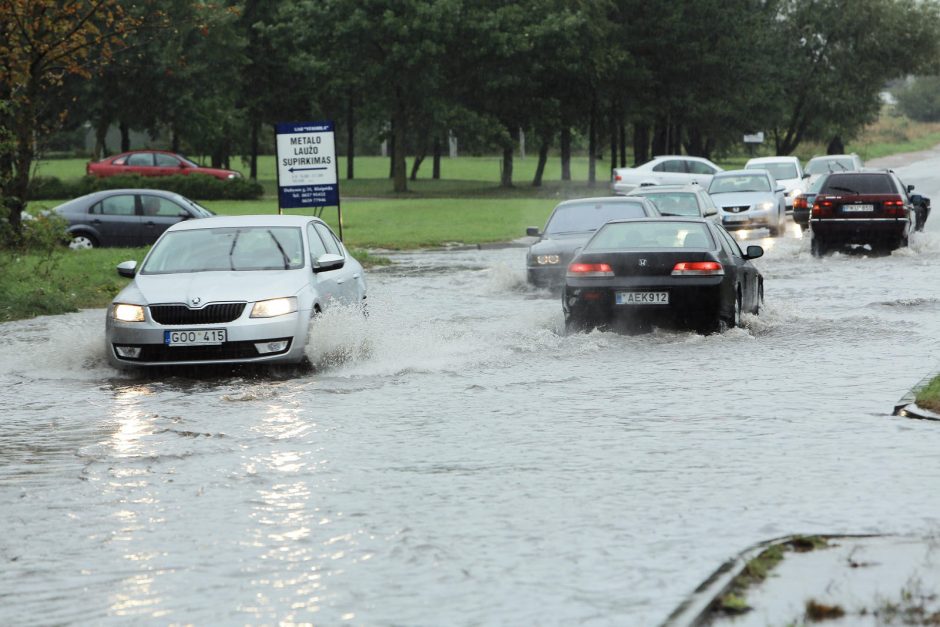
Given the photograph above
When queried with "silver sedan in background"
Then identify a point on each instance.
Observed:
(749, 199)
(230, 290)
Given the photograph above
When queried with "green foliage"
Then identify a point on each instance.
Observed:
(921, 99)
(196, 187)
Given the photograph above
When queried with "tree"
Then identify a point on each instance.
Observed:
(42, 42)
(921, 99)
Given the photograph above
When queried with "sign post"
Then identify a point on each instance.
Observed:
(306, 167)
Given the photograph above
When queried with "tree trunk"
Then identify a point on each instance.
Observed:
(614, 146)
(419, 159)
(565, 149)
(253, 156)
(436, 168)
(835, 147)
(543, 159)
(125, 136)
(400, 169)
(695, 145)
(350, 138)
(623, 145)
(391, 151)
(101, 138)
(505, 176)
(641, 143)
(175, 141)
(675, 146)
(592, 141)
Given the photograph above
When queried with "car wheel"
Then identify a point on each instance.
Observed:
(777, 229)
(576, 324)
(82, 241)
(818, 246)
(737, 319)
(760, 298)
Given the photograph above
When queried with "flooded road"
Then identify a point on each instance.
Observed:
(455, 460)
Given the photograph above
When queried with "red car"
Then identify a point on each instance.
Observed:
(153, 163)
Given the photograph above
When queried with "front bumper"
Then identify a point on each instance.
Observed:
(547, 276)
(242, 335)
(752, 218)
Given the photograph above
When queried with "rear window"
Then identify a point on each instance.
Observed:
(840, 184)
(590, 216)
(641, 235)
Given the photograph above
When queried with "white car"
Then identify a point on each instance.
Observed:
(826, 164)
(230, 289)
(787, 171)
(664, 170)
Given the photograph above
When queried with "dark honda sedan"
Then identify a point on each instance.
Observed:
(670, 271)
(571, 224)
(126, 217)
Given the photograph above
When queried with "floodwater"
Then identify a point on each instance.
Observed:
(454, 459)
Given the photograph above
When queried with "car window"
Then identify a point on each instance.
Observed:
(119, 161)
(166, 161)
(731, 245)
(329, 240)
(675, 203)
(123, 205)
(317, 249)
(778, 170)
(697, 167)
(739, 183)
(157, 206)
(670, 165)
(584, 217)
(140, 159)
(840, 184)
(664, 234)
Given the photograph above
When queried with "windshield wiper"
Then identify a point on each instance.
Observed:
(231, 264)
(845, 189)
(280, 248)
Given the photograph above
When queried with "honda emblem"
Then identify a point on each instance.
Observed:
(643, 262)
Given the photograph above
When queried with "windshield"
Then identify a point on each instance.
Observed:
(780, 171)
(824, 166)
(739, 183)
(590, 216)
(232, 248)
(641, 235)
(198, 209)
(675, 203)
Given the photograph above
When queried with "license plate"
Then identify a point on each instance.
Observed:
(202, 337)
(735, 219)
(642, 298)
(860, 208)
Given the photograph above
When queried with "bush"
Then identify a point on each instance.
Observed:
(197, 187)
(921, 100)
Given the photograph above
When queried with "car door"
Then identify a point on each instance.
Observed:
(699, 172)
(745, 271)
(347, 277)
(324, 283)
(116, 220)
(139, 163)
(671, 172)
(157, 215)
(166, 165)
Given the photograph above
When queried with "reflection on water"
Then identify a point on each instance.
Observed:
(456, 459)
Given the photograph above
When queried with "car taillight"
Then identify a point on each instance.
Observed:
(697, 268)
(617, 177)
(589, 270)
(894, 208)
(822, 208)
(799, 203)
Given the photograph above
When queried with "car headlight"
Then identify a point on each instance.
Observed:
(765, 206)
(274, 307)
(127, 313)
(234, 175)
(547, 260)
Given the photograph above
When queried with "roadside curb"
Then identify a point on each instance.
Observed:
(907, 408)
(696, 610)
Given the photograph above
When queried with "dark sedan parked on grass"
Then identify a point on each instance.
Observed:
(571, 224)
(673, 271)
(126, 217)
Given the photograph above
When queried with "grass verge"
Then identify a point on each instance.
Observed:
(929, 396)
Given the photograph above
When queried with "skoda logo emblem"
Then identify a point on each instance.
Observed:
(642, 262)
(195, 301)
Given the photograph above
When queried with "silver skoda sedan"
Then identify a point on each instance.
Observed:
(230, 290)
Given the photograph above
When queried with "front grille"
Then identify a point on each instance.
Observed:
(737, 208)
(210, 314)
(229, 350)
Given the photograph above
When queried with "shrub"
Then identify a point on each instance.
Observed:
(197, 187)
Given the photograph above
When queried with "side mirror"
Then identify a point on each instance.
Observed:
(753, 252)
(127, 269)
(183, 215)
(910, 188)
(782, 189)
(806, 175)
(710, 211)
(182, 166)
(532, 231)
(329, 261)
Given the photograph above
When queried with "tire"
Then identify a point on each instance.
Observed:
(818, 246)
(777, 229)
(760, 298)
(82, 241)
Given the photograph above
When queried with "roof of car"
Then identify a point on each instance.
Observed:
(823, 157)
(662, 219)
(234, 221)
(782, 159)
(743, 173)
(606, 199)
(689, 187)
